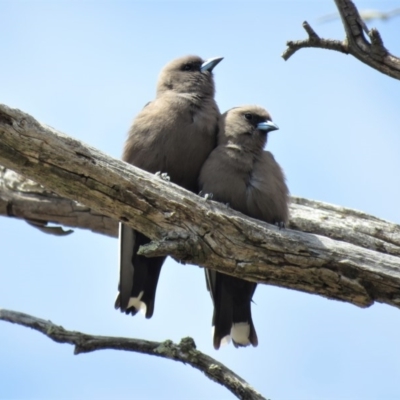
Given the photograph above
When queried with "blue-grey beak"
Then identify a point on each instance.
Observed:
(209, 64)
(267, 126)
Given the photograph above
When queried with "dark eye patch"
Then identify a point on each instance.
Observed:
(187, 67)
(191, 66)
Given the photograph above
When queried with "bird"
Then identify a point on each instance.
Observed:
(172, 136)
(242, 175)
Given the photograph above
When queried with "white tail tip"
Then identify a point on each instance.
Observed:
(240, 333)
(137, 303)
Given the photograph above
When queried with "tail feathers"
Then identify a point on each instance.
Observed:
(138, 275)
(232, 311)
(243, 334)
(127, 239)
(218, 340)
(134, 302)
(222, 324)
(134, 305)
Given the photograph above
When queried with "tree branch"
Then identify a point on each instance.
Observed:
(207, 233)
(24, 199)
(184, 352)
(313, 41)
(371, 52)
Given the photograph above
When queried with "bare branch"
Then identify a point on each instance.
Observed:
(24, 199)
(203, 232)
(371, 52)
(184, 352)
(313, 41)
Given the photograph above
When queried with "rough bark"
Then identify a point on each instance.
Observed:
(370, 51)
(24, 199)
(206, 233)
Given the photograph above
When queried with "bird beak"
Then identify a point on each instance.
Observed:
(209, 64)
(267, 126)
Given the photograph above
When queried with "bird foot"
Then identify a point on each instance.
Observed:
(280, 224)
(207, 196)
(163, 175)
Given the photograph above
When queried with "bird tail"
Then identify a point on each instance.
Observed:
(138, 274)
(243, 332)
(232, 309)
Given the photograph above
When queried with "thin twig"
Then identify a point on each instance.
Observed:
(370, 51)
(184, 352)
(313, 41)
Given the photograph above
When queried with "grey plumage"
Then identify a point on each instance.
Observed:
(240, 173)
(173, 134)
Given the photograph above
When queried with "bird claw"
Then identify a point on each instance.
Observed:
(207, 196)
(280, 224)
(163, 175)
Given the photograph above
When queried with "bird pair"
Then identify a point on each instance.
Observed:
(182, 133)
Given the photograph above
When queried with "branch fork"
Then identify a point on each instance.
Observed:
(371, 52)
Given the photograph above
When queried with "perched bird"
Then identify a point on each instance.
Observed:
(173, 134)
(240, 173)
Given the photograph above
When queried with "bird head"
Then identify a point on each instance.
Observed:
(246, 126)
(189, 74)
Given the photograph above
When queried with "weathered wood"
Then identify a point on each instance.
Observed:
(207, 233)
(25, 199)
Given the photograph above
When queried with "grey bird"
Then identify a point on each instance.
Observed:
(173, 134)
(240, 173)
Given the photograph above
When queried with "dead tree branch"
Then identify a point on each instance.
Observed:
(184, 352)
(206, 233)
(24, 199)
(370, 51)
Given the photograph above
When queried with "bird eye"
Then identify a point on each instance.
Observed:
(248, 116)
(187, 67)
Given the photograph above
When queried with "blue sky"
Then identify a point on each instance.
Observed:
(87, 68)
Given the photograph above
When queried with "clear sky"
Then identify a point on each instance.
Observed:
(87, 68)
